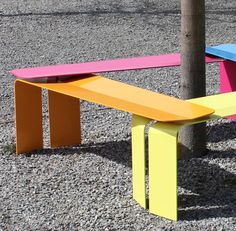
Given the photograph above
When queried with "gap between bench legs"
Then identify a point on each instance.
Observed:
(28, 113)
(64, 120)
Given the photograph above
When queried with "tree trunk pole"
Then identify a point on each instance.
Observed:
(193, 81)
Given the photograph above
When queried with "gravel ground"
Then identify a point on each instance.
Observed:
(88, 187)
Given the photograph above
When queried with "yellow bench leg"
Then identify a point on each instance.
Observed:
(28, 109)
(138, 159)
(64, 118)
(163, 156)
(163, 170)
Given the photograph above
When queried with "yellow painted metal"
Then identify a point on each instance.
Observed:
(64, 117)
(128, 98)
(163, 154)
(65, 127)
(28, 109)
(138, 159)
(163, 170)
(223, 104)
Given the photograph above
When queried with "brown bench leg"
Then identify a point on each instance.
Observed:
(64, 118)
(28, 112)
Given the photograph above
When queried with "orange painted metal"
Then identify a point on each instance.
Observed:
(76, 69)
(28, 109)
(64, 118)
(127, 98)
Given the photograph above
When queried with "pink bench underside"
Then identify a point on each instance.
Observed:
(103, 66)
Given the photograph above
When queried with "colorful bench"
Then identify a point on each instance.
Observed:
(171, 114)
(227, 68)
(64, 117)
(162, 155)
(64, 110)
(32, 116)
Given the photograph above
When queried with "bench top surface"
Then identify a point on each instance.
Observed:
(127, 98)
(223, 104)
(226, 51)
(63, 70)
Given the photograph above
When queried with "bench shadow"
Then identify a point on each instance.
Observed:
(106, 150)
(222, 132)
(209, 190)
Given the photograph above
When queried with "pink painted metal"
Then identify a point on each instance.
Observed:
(227, 68)
(103, 66)
(228, 78)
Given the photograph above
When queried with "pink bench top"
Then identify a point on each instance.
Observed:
(63, 70)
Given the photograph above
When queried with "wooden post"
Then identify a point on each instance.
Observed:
(193, 81)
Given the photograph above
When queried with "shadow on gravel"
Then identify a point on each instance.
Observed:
(220, 13)
(146, 9)
(94, 13)
(211, 189)
(222, 132)
(149, 10)
(117, 151)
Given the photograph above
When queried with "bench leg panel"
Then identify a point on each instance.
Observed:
(163, 170)
(64, 119)
(28, 113)
(138, 159)
(228, 78)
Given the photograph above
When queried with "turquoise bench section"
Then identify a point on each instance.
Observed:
(226, 51)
